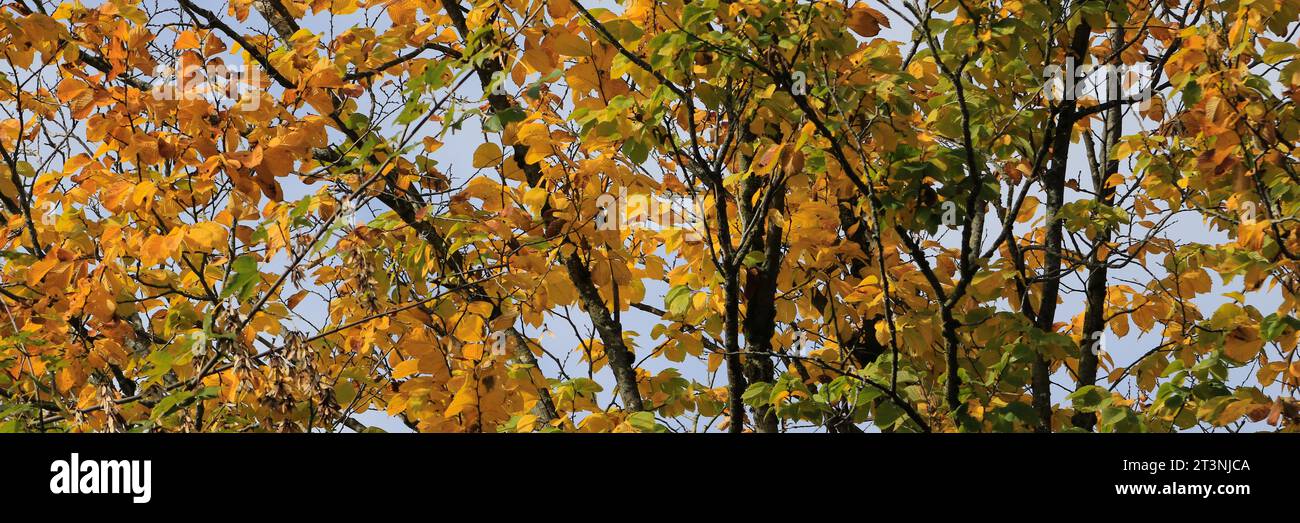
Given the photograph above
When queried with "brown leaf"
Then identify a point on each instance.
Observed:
(866, 21)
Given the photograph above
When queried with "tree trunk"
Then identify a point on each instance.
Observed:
(1054, 182)
(760, 296)
(1094, 317)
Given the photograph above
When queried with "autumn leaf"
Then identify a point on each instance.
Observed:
(866, 21)
(1242, 344)
(486, 155)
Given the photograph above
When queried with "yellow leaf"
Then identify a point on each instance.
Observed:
(539, 60)
(205, 236)
(583, 77)
(1242, 344)
(1120, 326)
(469, 327)
(66, 378)
(143, 192)
(1250, 234)
(1153, 109)
(297, 298)
(559, 288)
(397, 405)
(596, 422)
(276, 162)
(526, 423)
(472, 352)
(481, 308)
(715, 361)
(39, 269)
(1144, 318)
(406, 368)
(535, 198)
(467, 396)
(486, 155)
(569, 44)
(213, 45)
(324, 75)
(72, 89)
(1027, 209)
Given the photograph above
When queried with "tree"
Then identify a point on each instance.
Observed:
(278, 215)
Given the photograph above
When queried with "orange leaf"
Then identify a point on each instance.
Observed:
(187, 40)
(866, 21)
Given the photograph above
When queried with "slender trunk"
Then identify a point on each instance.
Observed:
(760, 296)
(972, 232)
(736, 383)
(1054, 182)
(1094, 317)
(611, 333)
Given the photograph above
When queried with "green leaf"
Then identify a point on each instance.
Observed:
(345, 392)
(1274, 326)
(1278, 51)
(887, 414)
(644, 422)
(758, 394)
(244, 271)
(636, 151)
(624, 30)
(678, 299)
(169, 404)
(1089, 398)
(1119, 419)
(498, 121)
(1271, 327)
(1191, 93)
(1016, 412)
